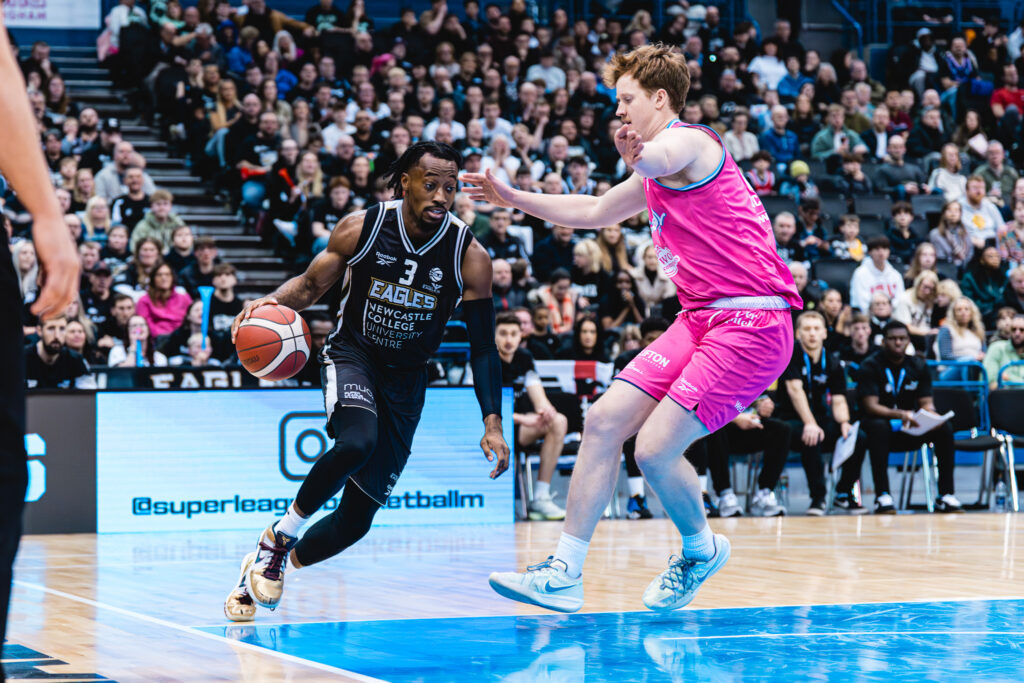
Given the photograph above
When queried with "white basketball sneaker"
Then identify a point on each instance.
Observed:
(677, 586)
(545, 584)
(239, 605)
(265, 577)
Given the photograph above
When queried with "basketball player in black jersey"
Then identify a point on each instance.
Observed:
(21, 161)
(410, 263)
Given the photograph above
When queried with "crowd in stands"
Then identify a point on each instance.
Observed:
(893, 200)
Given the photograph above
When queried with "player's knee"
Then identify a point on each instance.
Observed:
(559, 425)
(604, 422)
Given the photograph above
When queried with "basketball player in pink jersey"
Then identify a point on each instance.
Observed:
(733, 338)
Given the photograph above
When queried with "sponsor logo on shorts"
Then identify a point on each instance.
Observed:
(654, 357)
(385, 259)
(683, 384)
(357, 392)
(744, 318)
(739, 407)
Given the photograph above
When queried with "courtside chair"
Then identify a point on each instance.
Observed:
(1006, 412)
(967, 422)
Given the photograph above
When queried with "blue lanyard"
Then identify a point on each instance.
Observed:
(810, 367)
(896, 385)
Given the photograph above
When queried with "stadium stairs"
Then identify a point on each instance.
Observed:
(259, 270)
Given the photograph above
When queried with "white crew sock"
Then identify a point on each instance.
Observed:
(636, 486)
(703, 479)
(700, 546)
(573, 552)
(291, 522)
(542, 489)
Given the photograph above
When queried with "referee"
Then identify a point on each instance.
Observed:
(21, 162)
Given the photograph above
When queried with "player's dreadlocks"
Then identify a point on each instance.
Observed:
(412, 156)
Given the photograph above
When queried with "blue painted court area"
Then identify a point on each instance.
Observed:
(925, 641)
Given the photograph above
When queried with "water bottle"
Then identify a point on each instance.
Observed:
(1001, 496)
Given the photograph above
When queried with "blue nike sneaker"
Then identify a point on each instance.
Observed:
(545, 584)
(677, 586)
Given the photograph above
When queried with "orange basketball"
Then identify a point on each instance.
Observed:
(274, 343)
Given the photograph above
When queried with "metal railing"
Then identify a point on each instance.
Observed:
(1001, 383)
(857, 28)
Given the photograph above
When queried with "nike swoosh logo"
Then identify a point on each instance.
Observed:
(557, 589)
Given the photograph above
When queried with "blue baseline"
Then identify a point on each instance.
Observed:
(968, 640)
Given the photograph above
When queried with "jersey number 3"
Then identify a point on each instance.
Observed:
(410, 272)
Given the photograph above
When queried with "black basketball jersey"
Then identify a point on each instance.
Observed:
(400, 297)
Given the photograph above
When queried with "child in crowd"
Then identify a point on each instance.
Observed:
(160, 221)
(180, 255)
(847, 245)
(761, 176)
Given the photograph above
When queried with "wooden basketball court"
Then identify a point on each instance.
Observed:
(412, 603)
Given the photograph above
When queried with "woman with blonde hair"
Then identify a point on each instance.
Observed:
(652, 283)
(641, 22)
(96, 219)
(947, 177)
(614, 256)
(27, 266)
(924, 259)
(268, 94)
(961, 337)
(914, 307)
(588, 278)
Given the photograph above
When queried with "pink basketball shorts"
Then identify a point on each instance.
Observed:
(715, 361)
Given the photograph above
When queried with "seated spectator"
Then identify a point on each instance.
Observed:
(129, 208)
(136, 349)
(256, 156)
(946, 178)
(589, 280)
(465, 209)
(115, 252)
(1005, 351)
(859, 345)
(83, 190)
(853, 117)
(892, 386)
(200, 272)
(587, 342)
(853, 181)
(805, 122)
(915, 307)
(835, 137)
(876, 138)
(135, 278)
(110, 182)
(981, 216)
(49, 364)
(749, 432)
(498, 242)
(1008, 99)
(799, 185)
(922, 261)
(1000, 178)
(740, 142)
(80, 339)
(904, 241)
(329, 211)
(898, 177)
(622, 305)
(847, 245)
(1011, 241)
(961, 337)
(539, 339)
(767, 68)
(782, 143)
(875, 274)
(97, 298)
(553, 252)
(927, 137)
(180, 256)
(224, 305)
(786, 244)
(320, 327)
(880, 312)
(1013, 292)
(160, 222)
(950, 239)
(115, 328)
(837, 319)
(96, 220)
(985, 281)
(162, 305)
(793, 81)
(534, 417)
(970, 137)
(614, 250)
(199, 355)
(506, 295)
(652, 284)
(761, 177)
(812, 399)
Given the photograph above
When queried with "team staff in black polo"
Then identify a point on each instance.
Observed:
(812, 399)
(892, 386)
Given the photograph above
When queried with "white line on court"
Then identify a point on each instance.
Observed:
(203, 634)
(846, 633)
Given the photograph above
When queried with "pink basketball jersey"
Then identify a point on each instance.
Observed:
(714, 239)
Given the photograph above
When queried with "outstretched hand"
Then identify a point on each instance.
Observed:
(494, 447)
(484, 187)
(630, 145)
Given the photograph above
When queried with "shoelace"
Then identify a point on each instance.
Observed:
(546, 564)
(277, 555)
(679, 574)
